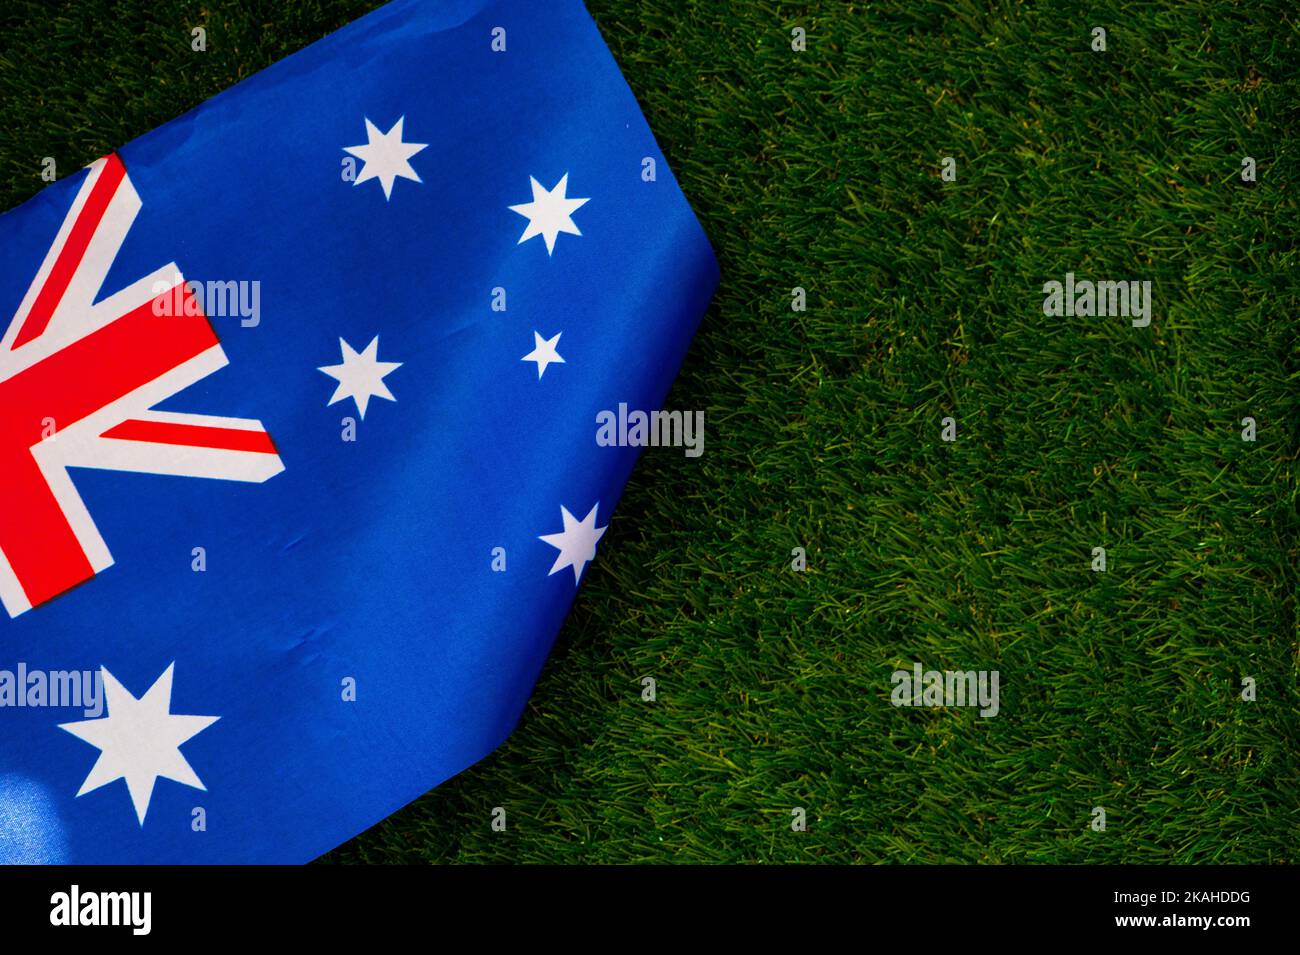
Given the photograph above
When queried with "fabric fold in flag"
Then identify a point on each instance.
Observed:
(298, 408)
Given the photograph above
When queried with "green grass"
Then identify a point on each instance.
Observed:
(821, 169)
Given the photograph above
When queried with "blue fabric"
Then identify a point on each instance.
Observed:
(368, 560)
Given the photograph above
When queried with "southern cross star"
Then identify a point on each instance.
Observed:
(544, 353)
(576, 543)
(550, 213)
(386, 157)
(361, 375)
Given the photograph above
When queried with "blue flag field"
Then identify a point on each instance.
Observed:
(299, 402)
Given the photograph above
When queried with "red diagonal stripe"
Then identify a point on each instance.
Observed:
(65, 266)
(193, 435)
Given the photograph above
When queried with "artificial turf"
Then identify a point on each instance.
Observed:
(821, 169)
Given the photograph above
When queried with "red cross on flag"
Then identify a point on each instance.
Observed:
(79, 381)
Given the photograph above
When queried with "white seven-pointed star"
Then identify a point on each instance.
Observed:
(576, 543)
(139, 740)
(385, 156)
(361, 376)
(550, 213)
(544, 353)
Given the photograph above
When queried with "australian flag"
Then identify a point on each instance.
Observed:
(298, 405)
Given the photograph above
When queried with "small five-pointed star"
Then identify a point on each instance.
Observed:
(139, 740)
(385, 156)
(361, 376)
(544, 353)
(550, 213)
(576, 543)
